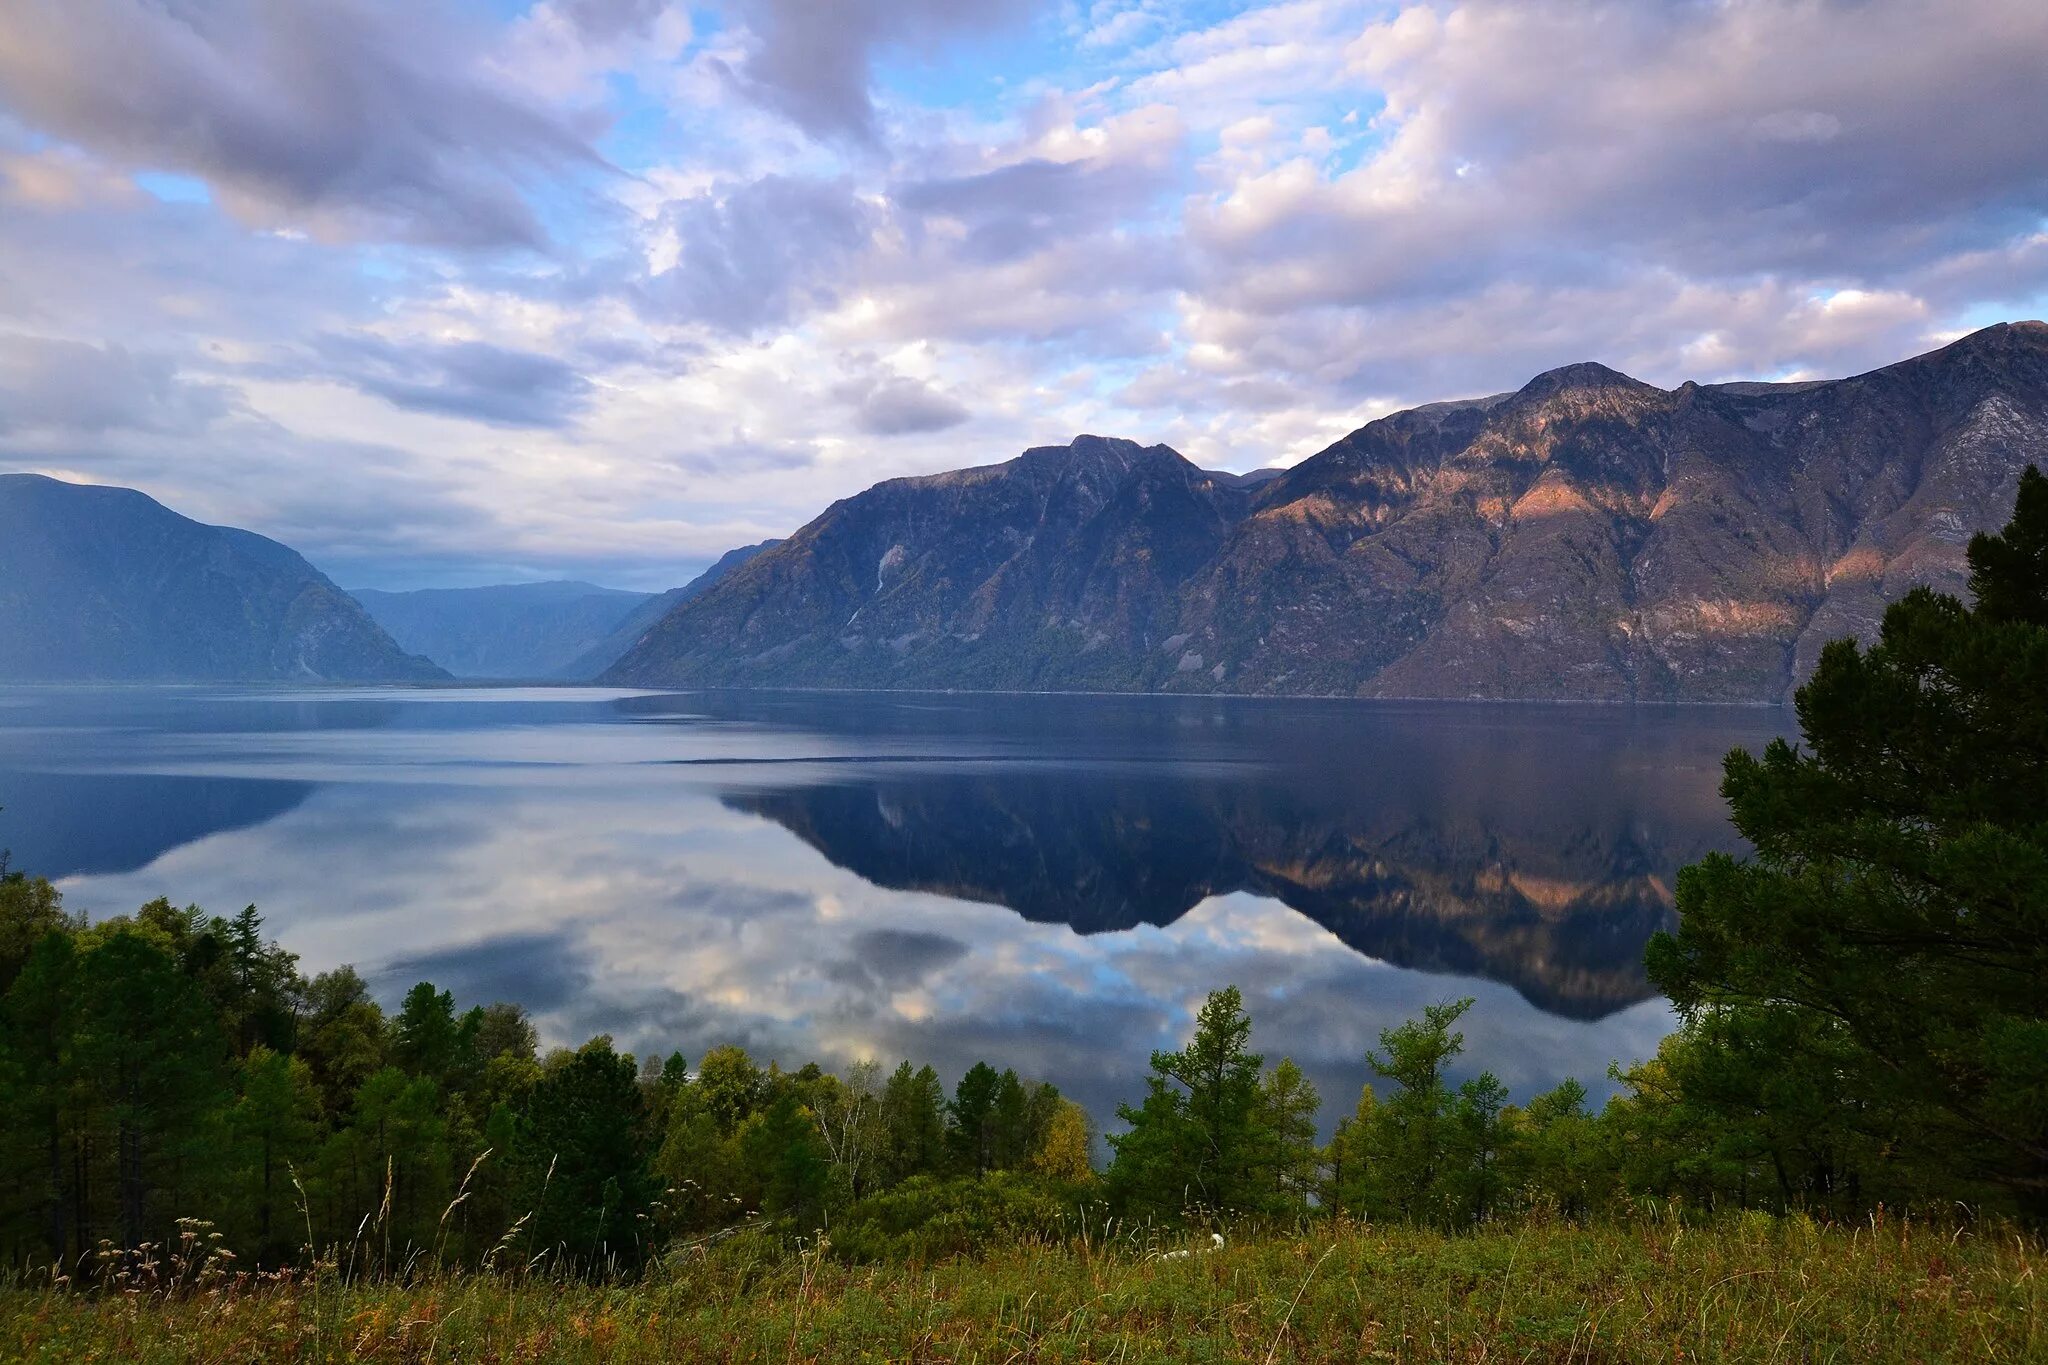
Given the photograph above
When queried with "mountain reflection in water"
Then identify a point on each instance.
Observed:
(1050, 882)
(1540, 856)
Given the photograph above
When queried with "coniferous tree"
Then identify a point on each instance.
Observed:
(585, 1120)
(40, 1090)
(972, 1119)
(1413, 1127)
(913, 1124)
(276, 1125)
(1896, 906)
(343, 1037)
(1200, 1129)
(153, 1057)
(786, 1162)
(1288, 1104)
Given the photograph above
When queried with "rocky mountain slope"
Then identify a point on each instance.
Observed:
(513, 630)
(1053, 570)
(1588, 536)
(108, 584)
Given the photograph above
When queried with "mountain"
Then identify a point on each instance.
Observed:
(108, 584)
(1045, 571)
(607, 651)
(1587, 536)
(516, 630)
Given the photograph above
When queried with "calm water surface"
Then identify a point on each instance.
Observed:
(1046, 882)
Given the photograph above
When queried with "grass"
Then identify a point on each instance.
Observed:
(1752, 1288)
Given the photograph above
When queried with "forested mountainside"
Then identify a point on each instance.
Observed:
(108, 584)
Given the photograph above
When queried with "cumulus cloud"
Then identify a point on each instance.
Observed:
(343, 117)
(1243, 229)
(1559, 140)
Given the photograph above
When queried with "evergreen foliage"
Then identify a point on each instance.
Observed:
(1864, 997)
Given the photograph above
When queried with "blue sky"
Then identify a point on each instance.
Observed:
(448, 292)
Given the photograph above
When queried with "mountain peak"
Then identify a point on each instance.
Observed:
(2001, 338)
(1586, 374)
(1092, 450)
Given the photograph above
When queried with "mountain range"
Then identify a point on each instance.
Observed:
(1586, 536)
(107, 584)
(559, 631)
(512, 630)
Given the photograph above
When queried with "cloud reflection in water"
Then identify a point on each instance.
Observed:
(1050, 883)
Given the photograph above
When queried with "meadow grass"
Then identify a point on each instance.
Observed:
(1751, 1288)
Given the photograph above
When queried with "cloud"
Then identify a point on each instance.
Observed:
(468, 379)
(542, 971)
(756, 255)
(75, 389)
(608, 20)
(893, 405)
(343, 117)
(1562, 141)
(1684, 191)
(1241, 229)
(812, 63)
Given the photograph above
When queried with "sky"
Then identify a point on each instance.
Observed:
(453, 292)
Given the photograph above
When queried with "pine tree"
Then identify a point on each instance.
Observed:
(1413, 1128)
(1288, 1104)
(1896, 905)
(154, 1057)
(1200, 1128)
(971, 1119)
(276, 1124)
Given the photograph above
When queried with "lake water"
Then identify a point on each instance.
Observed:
(1052, 883)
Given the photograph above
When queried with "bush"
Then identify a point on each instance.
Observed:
(928, 1218)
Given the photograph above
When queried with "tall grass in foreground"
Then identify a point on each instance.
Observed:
(1747, 1288)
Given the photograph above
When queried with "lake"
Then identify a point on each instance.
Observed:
(1051, 883)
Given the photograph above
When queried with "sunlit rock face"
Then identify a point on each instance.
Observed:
(1589, 536)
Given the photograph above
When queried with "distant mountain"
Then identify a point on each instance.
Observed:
(108, 584)
(1587, 536)
(518, 630)
(602, 655)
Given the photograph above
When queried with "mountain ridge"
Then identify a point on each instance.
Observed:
(1587, 536)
